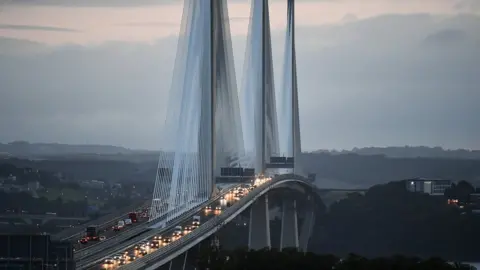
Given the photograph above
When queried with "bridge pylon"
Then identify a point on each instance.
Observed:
(289, 127)
(259, 113)
(201, 129)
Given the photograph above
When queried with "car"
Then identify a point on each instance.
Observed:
(208, 208)
(118, 256)
(218, 208)
(131, 256)
(84, 241)
(143, 252)
(178, 231)
(157, 238)
(166, 240)
(109, 261)
(155, 244)
(102, 238)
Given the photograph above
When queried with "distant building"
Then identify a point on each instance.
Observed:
(33, 186)
(116, 186)
(429, 186)
(12, 178)
(34, 251)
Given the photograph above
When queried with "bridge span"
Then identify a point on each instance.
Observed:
(256, 200)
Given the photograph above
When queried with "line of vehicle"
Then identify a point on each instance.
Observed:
(211, 226)
(103, 224)
(99, 256)
(129, 228)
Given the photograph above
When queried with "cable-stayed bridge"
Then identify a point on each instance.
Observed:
(213, 139)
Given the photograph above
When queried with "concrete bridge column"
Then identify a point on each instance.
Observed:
(27, 221)
(178, 263)
(307, 226)
(259, 230)
(289, 231)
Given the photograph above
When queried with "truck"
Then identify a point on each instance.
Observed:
(133, 216)
(128, 221)
(119, 226)
(92, 233)
(196, 222)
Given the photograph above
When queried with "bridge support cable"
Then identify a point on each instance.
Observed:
(258, 91)
(203, 106)
(259, 229)
(289, 230)
(229, 143)
(307, 226)
(289, 126)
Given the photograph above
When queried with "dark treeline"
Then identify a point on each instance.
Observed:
(292, 260)
(386, 221)
(389, 220)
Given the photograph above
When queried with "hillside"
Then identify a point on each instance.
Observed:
(26, 149)
(409, 152)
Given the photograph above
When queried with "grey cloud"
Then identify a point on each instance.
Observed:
(36, 28)
(349, 18)
(447, 36)
(116, 3)
(96, 3)
(14, 46)
(467, 5)
(369, 82)
(143, 24)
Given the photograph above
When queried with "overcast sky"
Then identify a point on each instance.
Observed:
(371, 72)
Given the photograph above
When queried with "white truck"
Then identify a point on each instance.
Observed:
(128, 221)
(196, 222)
(119, 226)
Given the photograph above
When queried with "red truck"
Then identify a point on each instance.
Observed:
(133, 216)
(91, 234)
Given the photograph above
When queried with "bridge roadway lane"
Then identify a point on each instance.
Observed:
(97, 253)
(169, 252)
(104, 222)
(168, 232)
(109, 233)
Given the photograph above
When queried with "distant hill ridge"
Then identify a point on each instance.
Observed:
(26, 149)
(22, 148)
(409, 152)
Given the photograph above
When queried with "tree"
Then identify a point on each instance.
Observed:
(461, 191)
(267, 259)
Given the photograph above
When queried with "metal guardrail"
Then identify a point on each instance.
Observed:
(99, 253)
(213, 224)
